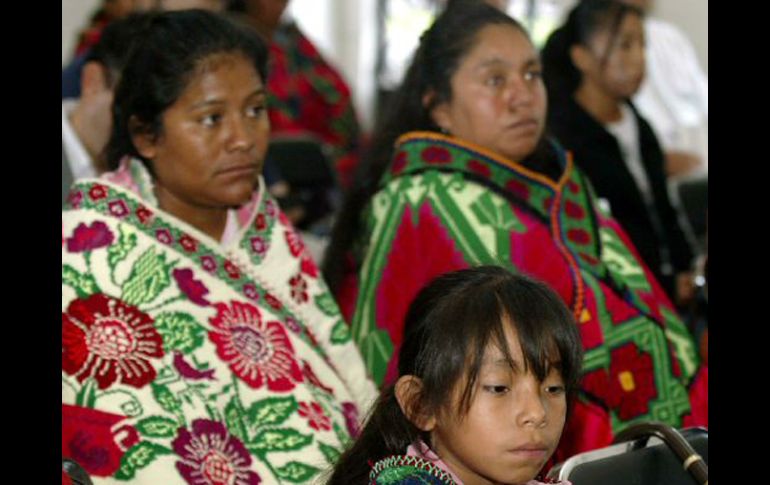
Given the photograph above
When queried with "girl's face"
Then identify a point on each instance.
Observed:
(498, 98)
(512, 427)
(617, 65)
(210, 151)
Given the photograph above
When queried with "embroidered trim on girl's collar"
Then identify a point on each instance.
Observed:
(410, 462)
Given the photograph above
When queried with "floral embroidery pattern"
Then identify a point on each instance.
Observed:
(256, 351)
(298, 288)
(209, 455)
(109, 340)
(314, 413)
(87, 238)
(194, 289)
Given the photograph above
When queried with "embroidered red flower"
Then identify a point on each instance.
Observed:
(579, 236)
(194, 289)
(479, 168)
(109, 340)
(273, 302)
(118, 208)
(97, 192)
(314, 413)
(94, 440)
(87, 238)
(144, 214)
(518, 189)
(298, 288)
(308, 266)
(436, 155)
(258, 245)
(307, 371)
(574, 210)
(210, 455)
(188, 243)
(76, 198)
(292, 324)
(399, 163)
(632, 381)
(258, 352)
(259, 223)
(232, 270)
(295, 243)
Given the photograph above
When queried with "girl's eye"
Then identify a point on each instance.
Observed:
(211, 120)
(497, 390)
(555, 390)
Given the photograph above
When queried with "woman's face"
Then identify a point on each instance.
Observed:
(498, 98)
(617, 65)
(213, 139)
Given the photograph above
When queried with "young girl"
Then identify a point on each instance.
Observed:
(486, 369)
(592, 66)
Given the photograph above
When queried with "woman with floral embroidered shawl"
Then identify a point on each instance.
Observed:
(461, 174)
(199, 344)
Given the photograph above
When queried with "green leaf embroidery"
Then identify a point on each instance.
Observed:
(157, 427)
(296, 472)
(180, 331)
(331, 453)
(325, 302)
(499, 216)
(139, 456)
(340, 333)
(167, 400)
(86, 397)
(83, 284)
(118, 252)
(280, 439)
(271, 411)
(234, 419)
(148, 278)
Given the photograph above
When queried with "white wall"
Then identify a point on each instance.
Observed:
(74, 16)
(692, 16)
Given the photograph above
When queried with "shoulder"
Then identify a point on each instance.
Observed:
(403, 469)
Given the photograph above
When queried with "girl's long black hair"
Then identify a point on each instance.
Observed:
(447, 330)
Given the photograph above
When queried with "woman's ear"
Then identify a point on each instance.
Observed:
(144, 140)
(408, 389)
(439, 112)
(581, 57)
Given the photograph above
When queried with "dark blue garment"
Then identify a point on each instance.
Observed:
(70, 77)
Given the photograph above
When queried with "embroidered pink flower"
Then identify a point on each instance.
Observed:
(87, 238)
(209, 264)
(351, 418)
(118, 208)
(188, 243)
(291, 322)
(144, 214)
(164, 236)
(209, 455)
(251, 292)
(97, 192)
(76, 198)
(109, 340)
(298, 288)
(270, 208)
(194, 289)
(314, 413)
(258, 245)
(258, 352)
(94, 440)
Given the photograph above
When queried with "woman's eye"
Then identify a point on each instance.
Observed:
(495, 81)
(498, 390)
(211, 120)
(255, 111)
(533, 75)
